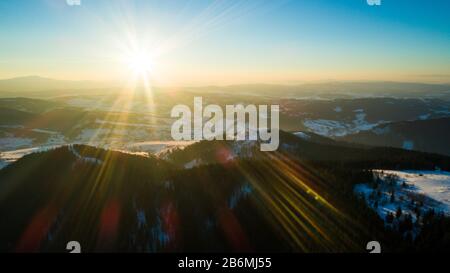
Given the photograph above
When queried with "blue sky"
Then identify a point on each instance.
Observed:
(224, 42)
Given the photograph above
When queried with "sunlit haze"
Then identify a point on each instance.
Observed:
(226, 42)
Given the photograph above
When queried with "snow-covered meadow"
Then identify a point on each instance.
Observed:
(395, 195)
(339, 128)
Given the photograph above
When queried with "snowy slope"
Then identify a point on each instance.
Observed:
(412, 192)
(434, 184)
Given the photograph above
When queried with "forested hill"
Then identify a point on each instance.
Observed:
(111, 201)
(311, 149)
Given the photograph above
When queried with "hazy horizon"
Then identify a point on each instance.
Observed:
(118, 83)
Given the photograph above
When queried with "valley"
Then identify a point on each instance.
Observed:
(115, 156)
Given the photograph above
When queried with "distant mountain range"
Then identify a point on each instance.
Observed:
(323, 90)
(335, 90)
(37, 84)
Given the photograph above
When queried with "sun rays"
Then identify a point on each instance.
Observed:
(292, 194)
(139, 52)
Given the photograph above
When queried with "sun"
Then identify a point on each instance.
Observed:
(140, 63)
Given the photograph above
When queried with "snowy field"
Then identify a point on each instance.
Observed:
(413, 192)
(335, 128)
(434, 184)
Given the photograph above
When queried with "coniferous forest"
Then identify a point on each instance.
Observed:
(299, 199)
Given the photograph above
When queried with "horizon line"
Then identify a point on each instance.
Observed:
(119, 83)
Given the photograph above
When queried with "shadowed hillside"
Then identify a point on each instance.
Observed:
(292, 200)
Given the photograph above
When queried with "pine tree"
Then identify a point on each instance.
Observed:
(398, 213)
(392, 197)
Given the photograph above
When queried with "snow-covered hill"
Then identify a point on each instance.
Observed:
(397, 196)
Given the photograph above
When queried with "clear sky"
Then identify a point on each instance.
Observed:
(200, 42)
